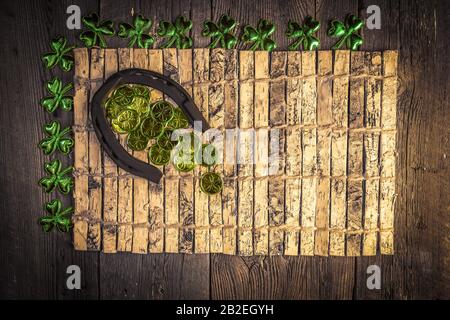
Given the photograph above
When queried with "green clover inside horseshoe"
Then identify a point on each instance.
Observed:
(56, 217)
(221, 33)
(137, 32)
(176, 33)
(97, 30)
(260, 37)
(348, 32)
(303, 35)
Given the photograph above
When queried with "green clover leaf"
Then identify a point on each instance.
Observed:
(348, 32)
(56, 217)
(59, 55)
(176, 33)
(97, 30)
(260, 37)
(57, 178)
(58, 97)
(56, 139)
(222, 32)
(303, 35)
(137, 32)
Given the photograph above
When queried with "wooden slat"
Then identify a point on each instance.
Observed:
(356, 107)
(229, 192)
(277, 117)
(309, 153)
(81, 159)
(200, 95)
(371, 156)
(186, 198)
(244, 152)
(140, 185)
(216, 100)
(125, 184)
(339, 152)
(110, 183)
(324, 119)
(170, 69)
(340, 87)
(156, 191)
(387, 202)
(261, 235)
(354, 216)
(95, 159)
(292, 212)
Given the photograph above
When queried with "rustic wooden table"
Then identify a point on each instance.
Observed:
(33, 264)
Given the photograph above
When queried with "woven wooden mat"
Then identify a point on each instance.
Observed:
(329, 189)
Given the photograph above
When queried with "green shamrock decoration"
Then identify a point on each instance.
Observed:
(56, 139)
(56, 218)
(137, 32)
(58, 97)
(57, 178)
(176, 33)
(303, 35)
(97, 30)
(222, 32)
(260, 36)
(59, 55)
(347, 32)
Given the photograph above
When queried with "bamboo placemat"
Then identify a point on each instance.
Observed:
(330, 190)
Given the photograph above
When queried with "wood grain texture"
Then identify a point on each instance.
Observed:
(417, 270)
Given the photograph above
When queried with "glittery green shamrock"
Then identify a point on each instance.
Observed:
(221, 33)
(137, 32)
(56, 139)
(303, 35)
(56, 217)
(176, 33)
(59, 55)
(57, 178)
(260, 37)
(97, 30)
(347, 32)
(58, 97)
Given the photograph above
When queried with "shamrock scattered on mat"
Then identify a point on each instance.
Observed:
(260, 37)
(58, 97)
(176, 33)
(348, 32)
(57, 178)
(137, 32)
(221, 33)
(56, 217)
(59, 55)
(303, 35)
(56, 139)
(97, 30)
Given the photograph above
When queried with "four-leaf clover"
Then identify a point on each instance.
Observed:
(260, 37)
(58, 97)
(56, 139)
(56, 217)
(222, 33)
(303, 35)
(176, 33)
(137, 32)
(57, 178)
(96, 31)
(59, 55)
(347, 32)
